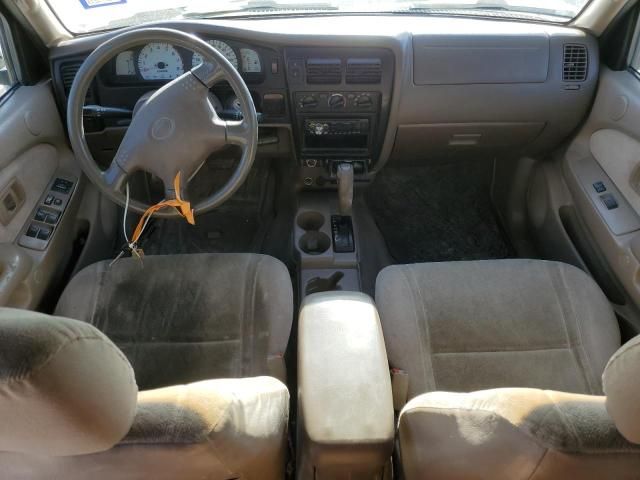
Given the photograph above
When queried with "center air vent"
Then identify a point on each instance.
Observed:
(364, 70)
(68, 72)
(326, 71)
(575, 63)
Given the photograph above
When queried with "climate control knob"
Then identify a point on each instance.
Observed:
(337, 101)
(363, 101)
(308, 102)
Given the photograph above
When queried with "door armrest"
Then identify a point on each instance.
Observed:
(15, 267)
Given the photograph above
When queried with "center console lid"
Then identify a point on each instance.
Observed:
(345, 407)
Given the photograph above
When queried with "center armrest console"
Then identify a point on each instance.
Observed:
(345, 406)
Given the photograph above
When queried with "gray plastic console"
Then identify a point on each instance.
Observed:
(345, 406)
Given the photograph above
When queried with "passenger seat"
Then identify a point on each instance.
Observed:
(501, 364)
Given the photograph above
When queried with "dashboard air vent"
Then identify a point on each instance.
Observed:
(68, 72)
(326, 71)
(575, 63)
(364, 70)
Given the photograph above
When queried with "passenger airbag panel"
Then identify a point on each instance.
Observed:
(468, 59)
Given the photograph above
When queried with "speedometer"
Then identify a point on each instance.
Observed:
(160, 61)
(223, 48)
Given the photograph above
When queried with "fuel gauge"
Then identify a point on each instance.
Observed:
(250, 61)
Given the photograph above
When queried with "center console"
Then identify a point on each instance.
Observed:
(326, 245)
(345, 425)
(340, 100)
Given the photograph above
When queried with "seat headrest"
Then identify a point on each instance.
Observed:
(65, 388)
(621, 384)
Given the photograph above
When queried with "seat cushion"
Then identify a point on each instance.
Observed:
(214, 430)
(513, 434)
(184, 318)
(65, 389)
(622, 394)
(466, 326)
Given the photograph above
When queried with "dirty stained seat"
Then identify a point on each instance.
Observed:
(183, 318)
(199, 334)
(501, 364)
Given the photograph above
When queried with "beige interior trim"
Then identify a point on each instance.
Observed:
(619, 156)
(43, 21)
(598, 14)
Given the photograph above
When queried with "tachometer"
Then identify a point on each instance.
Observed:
(250, 61)
(160, 61)
(223, 48)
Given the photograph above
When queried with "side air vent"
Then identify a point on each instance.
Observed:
(364, 70)
(326, 71)
(575, 63)
(68, 72)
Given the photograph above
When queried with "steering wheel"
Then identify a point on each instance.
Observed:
(175, 130)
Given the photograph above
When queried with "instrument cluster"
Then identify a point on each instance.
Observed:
(158, 61)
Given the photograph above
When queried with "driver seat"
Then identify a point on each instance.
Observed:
(69, 403)
(184, 318)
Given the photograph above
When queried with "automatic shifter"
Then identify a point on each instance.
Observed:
(345, 188)
(341, 225)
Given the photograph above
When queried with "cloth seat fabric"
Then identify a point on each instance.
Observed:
(185, 318)
(504, 362)
(179, 319)
(466, 326)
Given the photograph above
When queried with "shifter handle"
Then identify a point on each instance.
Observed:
(345, 188)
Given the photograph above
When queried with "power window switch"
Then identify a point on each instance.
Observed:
(49, 200)
(599, 187)
(32, 231)
(609, 201)
(41, 215)
(61, 185)
(52, 218)
(44, 233)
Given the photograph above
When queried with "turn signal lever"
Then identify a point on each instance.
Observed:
(345, 188)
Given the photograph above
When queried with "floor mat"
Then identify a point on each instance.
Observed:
(438, 212)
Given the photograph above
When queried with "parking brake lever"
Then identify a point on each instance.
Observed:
(345, 188)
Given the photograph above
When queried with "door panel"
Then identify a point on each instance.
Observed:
(29, 172)
(601, 168)
(31, 134)
(33, 153)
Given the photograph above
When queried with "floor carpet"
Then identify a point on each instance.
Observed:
(438, 212)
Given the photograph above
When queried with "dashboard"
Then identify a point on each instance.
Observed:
(368, 89)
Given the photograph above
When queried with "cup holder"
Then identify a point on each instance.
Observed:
(314, 242)
(310, 221)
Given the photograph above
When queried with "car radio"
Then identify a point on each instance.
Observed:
(336, 134)
(330, 127)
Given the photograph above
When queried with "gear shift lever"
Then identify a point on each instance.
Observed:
(345, 188)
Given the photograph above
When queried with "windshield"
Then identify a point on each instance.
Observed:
(81, 16)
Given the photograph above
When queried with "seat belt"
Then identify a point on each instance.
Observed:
(399, 388)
